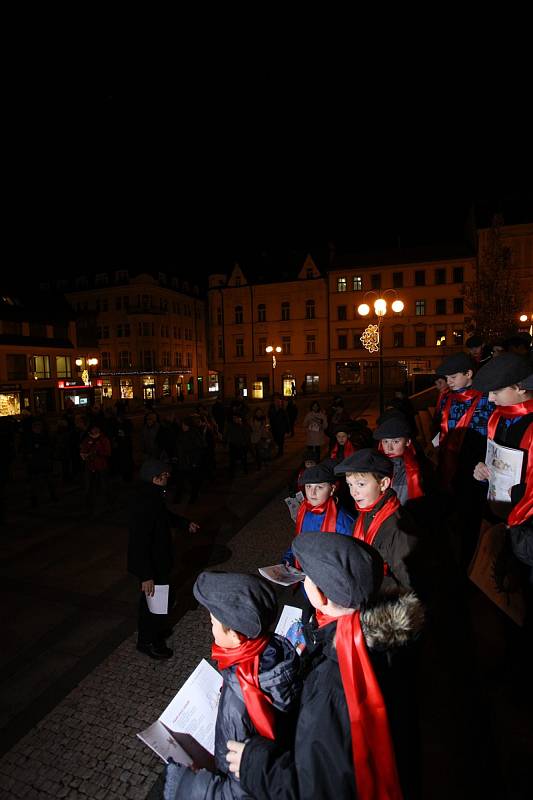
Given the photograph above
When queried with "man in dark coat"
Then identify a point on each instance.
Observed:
(279, 423)
(150, 552)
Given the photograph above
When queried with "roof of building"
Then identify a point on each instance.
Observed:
(413, 255)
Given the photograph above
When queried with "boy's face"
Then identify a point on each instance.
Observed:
(309, 462)
(222, 637)
(318, 493)
(365, 489)
(459, 380)
(508, 396)
(395, 447)
(162, 479)
(342, 437)
(312, 592)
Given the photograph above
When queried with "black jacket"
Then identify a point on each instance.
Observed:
(320, 763)
(150, 551)
(278, 677)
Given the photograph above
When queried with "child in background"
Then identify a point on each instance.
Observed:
(394, 437)
(260, 678)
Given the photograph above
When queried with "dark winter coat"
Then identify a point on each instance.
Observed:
(279, 422)
(320, 763)
(150, 551)
(278, 677)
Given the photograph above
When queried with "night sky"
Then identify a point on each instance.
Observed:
(199, 180)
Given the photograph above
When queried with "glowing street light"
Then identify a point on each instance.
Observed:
(273, 349)
(363, 309)
(523, 317)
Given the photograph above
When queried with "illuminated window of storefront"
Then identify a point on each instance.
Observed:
(107, 389)
(9, 404)
(311, 383)
(212, 381)
(288, 381)
(126, 389)
(63, 367)
(166, 387)
(257, 390)
(149, 387)
(16, 367)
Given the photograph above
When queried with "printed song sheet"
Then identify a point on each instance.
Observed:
(158, 604)
(293, 504)
(505, 464)
(290, 626)
(279, 573)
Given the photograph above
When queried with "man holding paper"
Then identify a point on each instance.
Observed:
(151, 557)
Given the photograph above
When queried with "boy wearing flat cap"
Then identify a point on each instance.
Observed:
(342, 747)
(510, 387)
(343, 446)
(260, 672)
(394, 437)
(380, 521)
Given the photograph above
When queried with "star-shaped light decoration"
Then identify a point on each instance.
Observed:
(370, 338)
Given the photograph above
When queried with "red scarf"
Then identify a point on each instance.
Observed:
(329, 509)
(524, 508)
(374, 762)
(258, 704)
(412, 470)
(349, 450)
(450, 442)
(387, 510)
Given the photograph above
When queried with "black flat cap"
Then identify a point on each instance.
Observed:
(151, 468)
(393, 427)
(527, 383)
(322, 473)
(342, 427)
(309, 455)
(348, 571)
(459, 362)
(245, 603)
(366, 460)
(506, 370)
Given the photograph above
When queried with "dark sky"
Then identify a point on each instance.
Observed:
(106, 176)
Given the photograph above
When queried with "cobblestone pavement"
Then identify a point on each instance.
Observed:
(87, 746)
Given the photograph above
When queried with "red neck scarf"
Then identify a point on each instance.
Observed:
(390, 506)
(374, 762)
(329, 509)
(349, 449)
(258, 704)
(450, 442)
(412, 470)
(524, 508)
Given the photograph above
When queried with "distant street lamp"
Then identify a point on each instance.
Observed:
(271, 349)
(372, 338)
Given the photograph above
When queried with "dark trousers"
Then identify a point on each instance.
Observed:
(279, 439)
(237, 454)
(95, 483)
(151, 627)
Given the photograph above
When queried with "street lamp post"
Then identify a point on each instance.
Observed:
(271, 349)
(372, 336)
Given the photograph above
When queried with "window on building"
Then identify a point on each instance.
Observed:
(261, 345)
(310, 344)
(104, 305)
(440, 276)
(126, 328)
(286, 345)
(341, 312)
(398, 338)
(420, 338)
(148, 359)
(357, 343)
(357, 283)
(121, 276)
(118, 303)
(420, 277)
(12, 327)
(105, 332)
(81, 282)
(238, 315)
(342, 284)
(420, 308)
(440, 306)
(219, 315)
(458, 275)
(375, 281)
(309, 272)
(105, 359)
(238, 280)
(17, 369)
(41, 367)
(178, 360)
(440, 338)
(458, 337)
(38, 329)
(220, 347)
(342, 340)
(102, 279)
(124, 359)
(189, 359)
(458, 305)
(309, 309)
(312, 383)
(165, 358)
(261, 312)
(397, 280)
(63, 367)
(60, 330)
(239, 347)
(285, 311)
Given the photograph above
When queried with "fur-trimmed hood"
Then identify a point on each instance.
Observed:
(392, 622)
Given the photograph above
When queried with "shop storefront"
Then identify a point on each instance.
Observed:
(288, 384)
(10, 400)
(212, 380)
(348, 373)
(241, 386)
(126, 389)
(76, 393)
(148, 383)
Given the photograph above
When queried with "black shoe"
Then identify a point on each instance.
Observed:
(158, 651)
(166, 633)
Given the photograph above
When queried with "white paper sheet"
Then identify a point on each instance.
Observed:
(290, 626)
(435, 440)
(193, 711)
(293, 504)
(279, 573)
(505, 464)
(158, 604)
